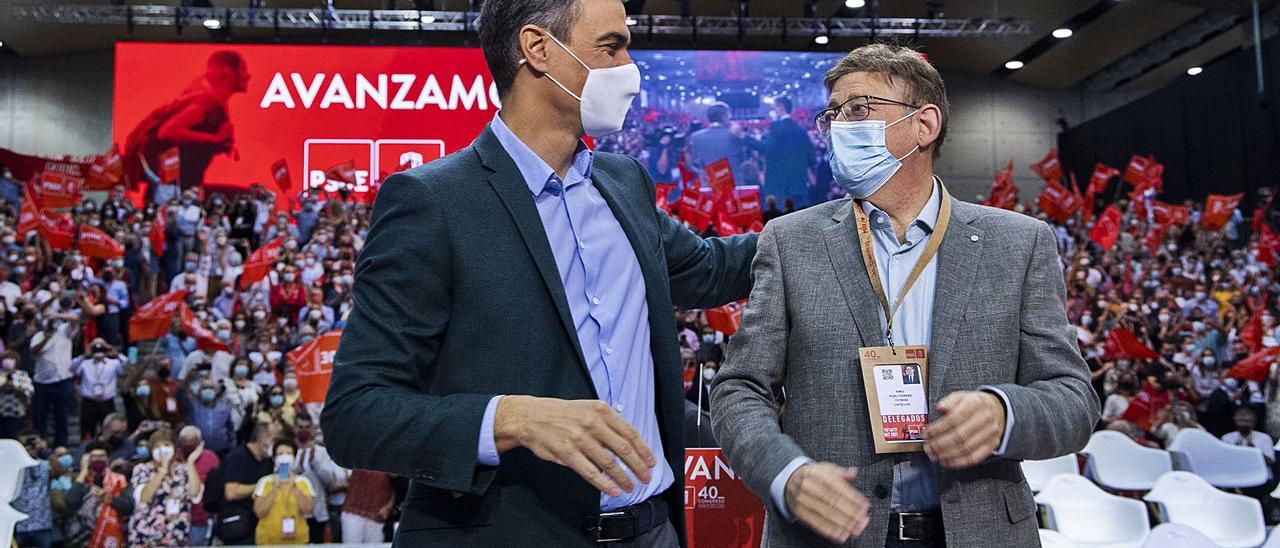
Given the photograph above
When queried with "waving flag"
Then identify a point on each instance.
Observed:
(156, 234)
(1123, 343)
(1256, 366)
(727, 318)
(313, 363)
(720, 178)
(106, 171)
(1170, 214)
(170, 165)
(1102, 174)
(1058, 202)
(1107, 230)
(260, 262)
(151, 321)
(94, 242)
(1049, 169)
(1004, 194)
(1218, 210)
(280, 173)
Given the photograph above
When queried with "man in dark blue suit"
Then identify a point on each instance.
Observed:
(513, 349)
(787, 152)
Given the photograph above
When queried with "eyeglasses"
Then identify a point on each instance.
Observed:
(853, 109)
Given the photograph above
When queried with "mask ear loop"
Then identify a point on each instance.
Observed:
(553, 78)
(912, 151)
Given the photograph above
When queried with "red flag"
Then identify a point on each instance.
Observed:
(151, 321)
(106, 171)
(29, 215)
(96, 243)
(1256, 366)
(260, 262)
(58, 230)
(1058, 202)
(343, 174)
(1146, 174)
(1218, 210)
(756, 227)
(1136, 172)
(280, 172)
(156, 234)
(697, 207)
(1170, 214)
(1268, 246)
(1004, 194)
(170, 166)
(727, 318)
(726, 228)
(56, 190)
(662, 200)
(688, 179)
(1086, 201)
(1049, 169)
(1102, 174)
(1107, 229)
(720, 178)
(1251, 333)
(743, 206)
(1122, 342)
(313, 363)
(205, 339)
(1155, 237)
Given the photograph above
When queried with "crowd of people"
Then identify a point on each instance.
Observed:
(167, 442)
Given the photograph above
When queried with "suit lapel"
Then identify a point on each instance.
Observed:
(957, 262)
(851, 273)
(509, 184)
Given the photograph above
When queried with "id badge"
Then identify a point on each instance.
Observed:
(287, 528)
(171, 404)
(172, 507)
(897, 396)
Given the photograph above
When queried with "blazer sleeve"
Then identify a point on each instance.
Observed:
(744, 408)
(376, 414)
(1055, 406)
(704, 272)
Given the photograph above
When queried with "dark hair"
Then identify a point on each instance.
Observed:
(226, 59)
(500, 22)
(719, 113)
(284, 442)
(784, 102)
(96, 445)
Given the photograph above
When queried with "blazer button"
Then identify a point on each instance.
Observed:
(880, 491)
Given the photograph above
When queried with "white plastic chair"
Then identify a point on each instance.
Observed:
(1053, 539)
(15, 459)
(1273, 539)
(1039, 471)
(1228, 519)
(1221, 464)
(1119, 463)
(1176, 535)
(1089, 516)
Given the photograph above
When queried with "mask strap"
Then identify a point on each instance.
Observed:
(553, 78)
(914, 150)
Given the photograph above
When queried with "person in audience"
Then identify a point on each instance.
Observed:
(1118, 400)
(210, 413)
(97, 373)
(1220, 406)
(33, 500)
(370, 500)
(53, 375)
(164, 490)
(1178, 416)
(313, 463)
(241, 470)
(16, 390)
(99, 483)
(190, 443)
(283, 499)
(1245, 436)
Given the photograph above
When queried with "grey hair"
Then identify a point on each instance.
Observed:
(899, 65)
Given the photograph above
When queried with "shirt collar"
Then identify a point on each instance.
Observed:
(926, 219)
(535, 171)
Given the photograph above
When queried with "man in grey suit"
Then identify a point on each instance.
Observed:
(718, 140)
(981, 288)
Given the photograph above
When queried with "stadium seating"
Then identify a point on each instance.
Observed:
(16, 459)
(1089, 516)
(1176, 535)
(1117, 462)
(1222, 465)
(1187, 499)
(1039, 471)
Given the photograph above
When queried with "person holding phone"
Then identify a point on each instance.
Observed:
(283, 500)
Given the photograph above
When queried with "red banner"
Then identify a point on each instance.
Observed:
(151, 321)
(26, 167)
(720, 178)
(697, 207)
(29, 215)
(1146, 175)
(170, 166)
(156, 234)
(260, 262)
(1256, 366)
(280, 174)
(742, 209)
(94, 242)
(58, 190)
(1107, 229)
(1218, 210)
(205, 339)
(1058, 202)
(1004, 194)
(1121, 343)
(58, 230)
(1102, 174)
(719, 509)
(1155, 237)
(106, 171)
(1170, 214)
(727, 318)
(314, 364)
(1049, 169)
(662, 199)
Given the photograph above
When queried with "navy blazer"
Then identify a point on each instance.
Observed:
(457, 299)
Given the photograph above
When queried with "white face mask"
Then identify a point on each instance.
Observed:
(606, 95)
(162, 452)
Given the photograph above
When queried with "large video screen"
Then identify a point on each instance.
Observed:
(235, 111)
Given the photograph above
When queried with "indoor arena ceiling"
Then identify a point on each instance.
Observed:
(1126, 45)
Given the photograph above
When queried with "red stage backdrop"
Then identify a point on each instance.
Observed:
(318, 106)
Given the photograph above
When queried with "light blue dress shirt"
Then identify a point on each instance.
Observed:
(606, 294)
(914, 483)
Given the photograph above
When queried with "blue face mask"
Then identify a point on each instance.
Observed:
(860, 160)
(65, 461)
(144, 453)
(276, 400)
(207, 394)
(143, 390)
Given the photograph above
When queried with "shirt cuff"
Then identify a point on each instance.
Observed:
(1008, 419)
(778, 489)
(487, 453)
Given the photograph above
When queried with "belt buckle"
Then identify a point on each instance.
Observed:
(902, 528)
(599, 527)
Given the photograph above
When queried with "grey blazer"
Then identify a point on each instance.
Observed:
(1000, 320)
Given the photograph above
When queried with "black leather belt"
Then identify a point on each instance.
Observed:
(917, 525)
(627, 523)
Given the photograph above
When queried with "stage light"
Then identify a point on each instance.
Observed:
(854, 4)
(1, 43)
(1194, 71)
(212, 24)
(1013, 65)
(428, 19)
(1062, 33)
(631, 22)
(821, 40)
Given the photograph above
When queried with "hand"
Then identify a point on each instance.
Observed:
(84, 465)
(584, 435)
(164, 461)
(970, 430)
(96, 491)
(195, 454)
(821, 496)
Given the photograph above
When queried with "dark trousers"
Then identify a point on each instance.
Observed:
(316, 530)
(112, 330)
(91, 414)
(11, 427)
(34, 539)
(893, 542)
(335, 523)
(58, 397)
